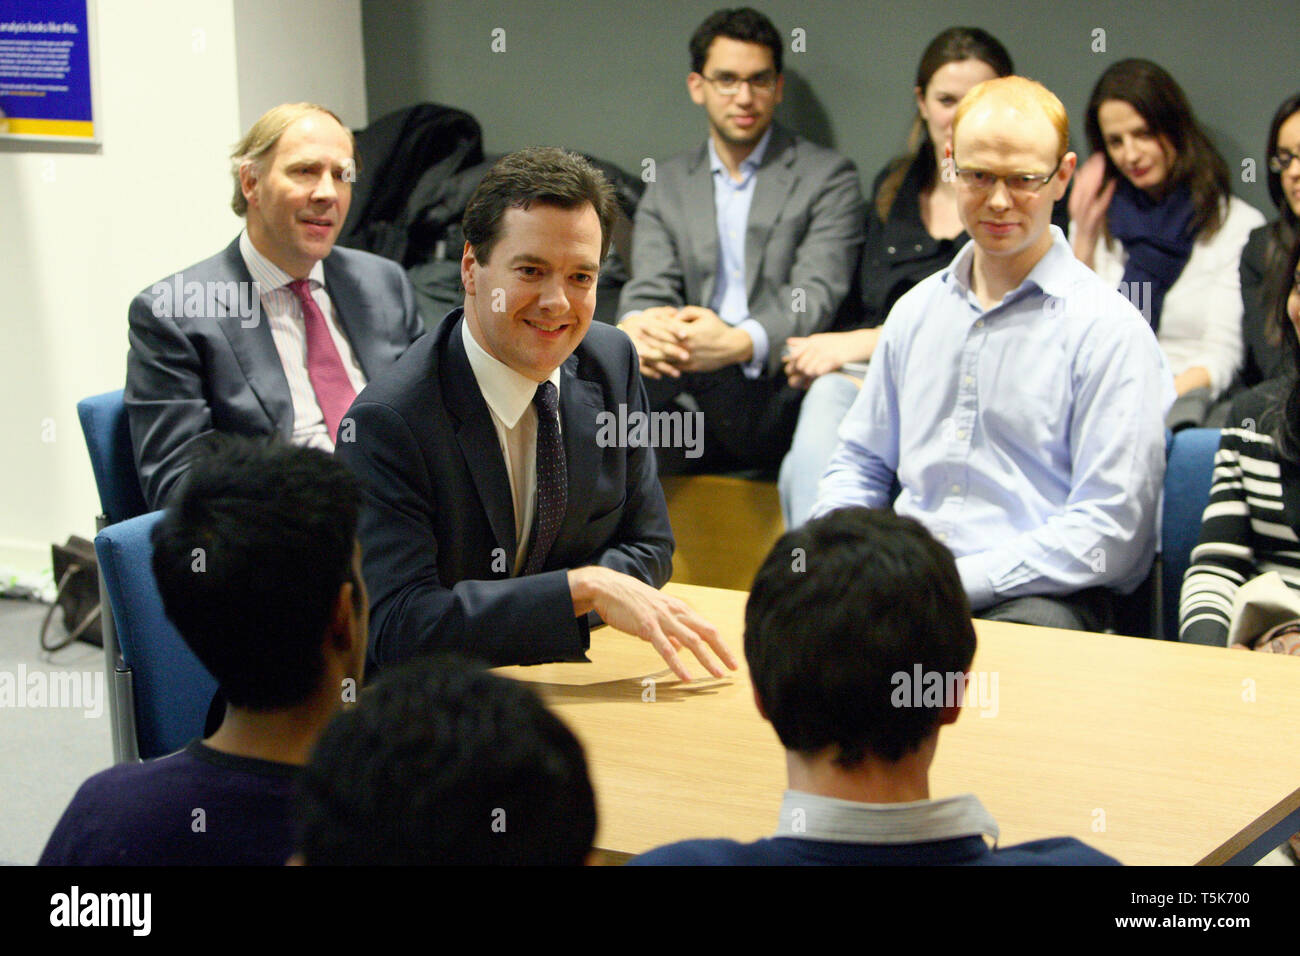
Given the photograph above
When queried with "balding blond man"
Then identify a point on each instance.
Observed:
(1017, 400)
(278, 332)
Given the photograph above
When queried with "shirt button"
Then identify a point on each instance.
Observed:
(961, 434)
(979, 323)
(968, 380)
(891, 250)
(942, 536)
(917, 247)
(956, 489)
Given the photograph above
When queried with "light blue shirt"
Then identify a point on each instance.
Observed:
(731, 201)
(1029, 438)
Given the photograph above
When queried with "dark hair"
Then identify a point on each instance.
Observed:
(443, 763)
(953, 45)
(1282, 232)
(840, 606)
(249, 558)
(1160, 101)
(744, 24)
(1283, 421)
(537, 174)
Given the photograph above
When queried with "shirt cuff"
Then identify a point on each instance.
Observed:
(975, 579)
(758, 335)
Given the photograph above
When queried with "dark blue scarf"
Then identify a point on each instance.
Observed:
(1157, 236)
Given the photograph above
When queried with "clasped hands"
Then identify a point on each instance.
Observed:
(671, 340)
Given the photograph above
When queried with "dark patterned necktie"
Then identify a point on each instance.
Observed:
(329, 379)
(552, 478)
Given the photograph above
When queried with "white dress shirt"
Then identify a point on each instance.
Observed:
(509, 398)
(283, 313)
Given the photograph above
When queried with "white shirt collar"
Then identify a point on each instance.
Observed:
(750, 162)
(810, 816)
(506, 392)
(266, 273)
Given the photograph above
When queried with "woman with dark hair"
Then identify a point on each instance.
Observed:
(1152, 212)
(1263, 280)
(913, 230)
(1251, 522)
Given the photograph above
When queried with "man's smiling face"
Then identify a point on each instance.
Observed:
(532, 303)
(298, 195)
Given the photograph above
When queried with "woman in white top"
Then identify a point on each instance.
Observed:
(1151, 211)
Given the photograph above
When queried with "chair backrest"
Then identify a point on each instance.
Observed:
(172, 689)
(1188, 473)
(108, 438)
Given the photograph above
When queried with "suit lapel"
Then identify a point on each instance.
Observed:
(580, 402)
(703, 227)
(350, 304)
(253, 345)
(477, 437)
(776, 180)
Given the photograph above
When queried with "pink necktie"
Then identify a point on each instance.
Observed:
(329, 379)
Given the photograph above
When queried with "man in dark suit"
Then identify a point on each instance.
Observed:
(739, 245)
(500, 507)
(278, 332)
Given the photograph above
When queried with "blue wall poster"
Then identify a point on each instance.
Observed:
(45, 83)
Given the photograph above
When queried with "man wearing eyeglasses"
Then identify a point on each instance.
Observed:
(1017, 399)
(738, 245)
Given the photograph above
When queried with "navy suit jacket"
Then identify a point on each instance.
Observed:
(208, 364)
(437, 519)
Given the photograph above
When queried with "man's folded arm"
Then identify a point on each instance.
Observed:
(657, 273)
(499, 619)
(165, 402)
(822, 272)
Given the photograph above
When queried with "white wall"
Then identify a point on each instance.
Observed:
(81, 233)
(300, 50)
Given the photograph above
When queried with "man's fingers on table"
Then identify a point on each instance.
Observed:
(661, 644)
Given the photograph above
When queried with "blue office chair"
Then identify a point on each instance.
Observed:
(1188, 474)
(172, 689)
(108, 439)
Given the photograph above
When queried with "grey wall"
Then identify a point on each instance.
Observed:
(608, 78)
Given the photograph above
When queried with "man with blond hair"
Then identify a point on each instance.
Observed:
(278, 332)
(1016, 399)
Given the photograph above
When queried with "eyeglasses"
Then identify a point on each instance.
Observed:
(727, 84)
(1281, 161)
(1018, 184)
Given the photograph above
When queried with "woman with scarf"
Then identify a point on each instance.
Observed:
(1152, 212)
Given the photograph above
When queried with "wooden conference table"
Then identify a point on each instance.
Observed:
(1153, 752)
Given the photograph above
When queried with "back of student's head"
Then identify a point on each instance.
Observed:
(840, 606)
(249, 558)
(441, 762)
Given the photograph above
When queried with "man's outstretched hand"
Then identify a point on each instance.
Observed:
(630, 605)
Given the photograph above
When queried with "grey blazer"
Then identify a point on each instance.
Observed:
(188, 375)
(805, 234)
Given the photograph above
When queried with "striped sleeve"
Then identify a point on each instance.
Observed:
(1244, 532)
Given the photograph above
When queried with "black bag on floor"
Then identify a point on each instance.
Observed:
(77, 571)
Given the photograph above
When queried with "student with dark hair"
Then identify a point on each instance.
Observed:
(259, 569)
(1253, 514)
(913, 231)
(1153, 210)
(443, 763)
(496, 517)
(830, 648)
(740, 244)
(1265, 282)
